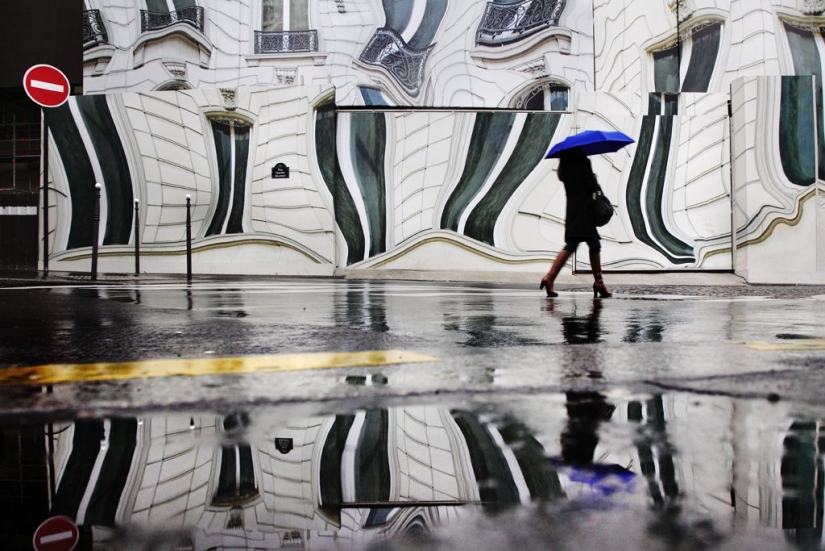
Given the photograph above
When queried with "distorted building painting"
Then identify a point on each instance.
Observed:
(364, 478)
(414, 135)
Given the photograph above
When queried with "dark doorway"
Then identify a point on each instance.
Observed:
(19, 180)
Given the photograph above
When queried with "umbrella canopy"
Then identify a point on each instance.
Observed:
(591, 142)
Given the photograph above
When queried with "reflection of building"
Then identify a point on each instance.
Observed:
(347, 479)
(354, 479)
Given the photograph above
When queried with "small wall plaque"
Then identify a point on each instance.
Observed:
(283, 445)
(280, 171)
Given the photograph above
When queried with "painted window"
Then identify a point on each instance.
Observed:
(807, 47)
(550, 96)
(236, 476)
(232, 156)
(699, 54)
(372, 96)
(169, 5)
(688, 64)
(284, 15)
(284, 27)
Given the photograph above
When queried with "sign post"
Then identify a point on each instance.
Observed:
(48, 87)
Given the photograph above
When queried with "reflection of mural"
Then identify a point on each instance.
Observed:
(348, 479)
(409, 188)
(356, 479)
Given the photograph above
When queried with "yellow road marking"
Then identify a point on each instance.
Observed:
(801, 344)
(68, 373)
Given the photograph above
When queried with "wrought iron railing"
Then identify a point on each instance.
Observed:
(156, 20)
(387, 49)
(286, 41)
(505, 23)
(813, 7)
(94, 33)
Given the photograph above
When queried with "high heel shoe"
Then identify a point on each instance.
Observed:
(550, 276)
(544, 284)
(600, 290)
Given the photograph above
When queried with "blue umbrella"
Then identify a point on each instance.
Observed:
(591, 142)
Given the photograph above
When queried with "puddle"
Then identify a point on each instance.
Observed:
(576, 470)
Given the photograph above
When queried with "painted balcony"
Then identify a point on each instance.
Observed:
(388, 50)
(94, 32)
(267, 42)
(505, 23)
(156, 20)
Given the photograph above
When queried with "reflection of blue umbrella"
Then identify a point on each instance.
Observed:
(591, 142)
(605, 479)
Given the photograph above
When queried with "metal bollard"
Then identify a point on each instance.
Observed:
(188, 238)
(95, 231)
(137, 236)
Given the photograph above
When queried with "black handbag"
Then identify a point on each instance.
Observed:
(602, 208)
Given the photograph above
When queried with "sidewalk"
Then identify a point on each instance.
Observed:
(565, 277)
(9, 278)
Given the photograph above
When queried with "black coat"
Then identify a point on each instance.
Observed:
(579, 185)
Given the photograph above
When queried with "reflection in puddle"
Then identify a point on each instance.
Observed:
(579, 469)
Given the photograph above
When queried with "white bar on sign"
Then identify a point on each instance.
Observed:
(47, 86)
(18, 211)
(56, 537)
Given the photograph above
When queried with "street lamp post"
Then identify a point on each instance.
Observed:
(95, 231)
(188, 238)
(137, 236)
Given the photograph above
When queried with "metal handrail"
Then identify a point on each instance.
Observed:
(505, 23)
(286, 41)
(156, 20)
(387, 49)
(94, 32)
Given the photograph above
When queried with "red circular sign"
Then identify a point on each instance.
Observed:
(56, 534)
(46, 85)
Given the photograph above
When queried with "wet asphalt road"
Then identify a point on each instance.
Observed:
(662, 418)
(487, 339)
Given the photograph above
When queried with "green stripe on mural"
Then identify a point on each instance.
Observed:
(529, 151)
(489, 132)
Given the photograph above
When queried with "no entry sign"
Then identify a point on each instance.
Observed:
(47, 86)
(56, 534)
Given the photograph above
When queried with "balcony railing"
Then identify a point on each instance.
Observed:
(286, 41)
(812, 7)
(505, 23)
(387, 49)
(156, 20)
(94, 33)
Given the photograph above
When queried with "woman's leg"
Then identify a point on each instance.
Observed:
(599, 288)
(550, 277)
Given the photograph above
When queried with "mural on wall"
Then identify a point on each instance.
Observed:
(397, 190)
(692, 57)
(778, 208)
(402, 187)
(478, 182)
(473, 53)
(216, 147)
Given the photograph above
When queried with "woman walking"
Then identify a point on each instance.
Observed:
(580, 183)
